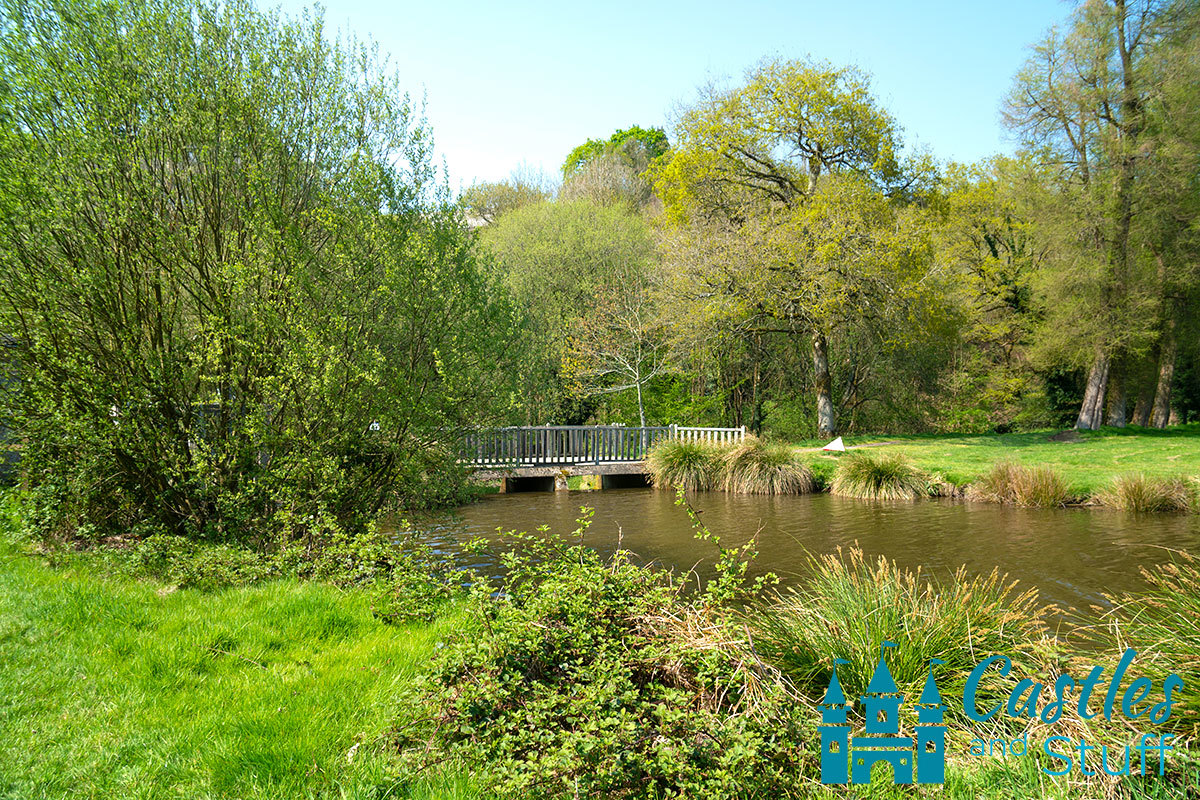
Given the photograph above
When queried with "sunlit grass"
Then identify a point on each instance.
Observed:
(116, 688)
(1086, 460)
(1161, 623)
(692, 466)
(1142, 493)
(1028, 487)
(884, 476)
(851, 604)
(758, 467)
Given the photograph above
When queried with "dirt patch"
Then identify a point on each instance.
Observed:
(1070, 435)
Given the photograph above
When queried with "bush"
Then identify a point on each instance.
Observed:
(282, 365)
(1029, 487)
(884, 477)
(586, 678)
(1138, 492)
(756, 467)
(189, 564)
(692, 466)
(806, 628)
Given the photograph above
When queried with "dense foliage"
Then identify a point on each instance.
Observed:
(813, 273)
(587, 678)
(240, 305)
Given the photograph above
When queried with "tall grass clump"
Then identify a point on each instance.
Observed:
(758, 467)
(1159, 622)
(1139, 492)
(1029, 487)
(850, 605)
(884, 477)
(692, 466)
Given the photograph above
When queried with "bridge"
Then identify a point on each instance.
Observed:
(551, 456)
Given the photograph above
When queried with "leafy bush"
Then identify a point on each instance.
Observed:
(586, 678)
(1139, 492)
(692, 466)
(807, 627)
(888, 476)
(1029, 487)
(404, 579)
(756, 467)
(280, 367)
(189, 564)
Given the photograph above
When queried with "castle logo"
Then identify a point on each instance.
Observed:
(921, 757)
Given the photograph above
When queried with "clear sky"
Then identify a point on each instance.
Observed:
(524, 82)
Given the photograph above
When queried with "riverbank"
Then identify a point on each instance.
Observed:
(114, 687)
(574, 668)
(1087, 460)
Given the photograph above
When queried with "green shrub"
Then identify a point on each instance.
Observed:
(404, 579)
(1139, 492)
(889, 476)
(587, 678)
(806, 628)
(1029, 487)
(282, 366)
(758, 467)
(189, 564)
(692, 466)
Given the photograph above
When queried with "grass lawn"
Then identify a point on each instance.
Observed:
(1087, 464)
(115, 688)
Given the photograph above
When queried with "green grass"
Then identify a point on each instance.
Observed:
(1087, 465)
(693, 466)
(1142, 494)
(879, 476)
(1028, 487)
(851, 603)
(758, 467)
(111, 687)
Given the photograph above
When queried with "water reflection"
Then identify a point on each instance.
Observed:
(1071, 556)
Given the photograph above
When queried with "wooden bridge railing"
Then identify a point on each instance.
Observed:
(558, 444)
(576, 444)
(714, 435)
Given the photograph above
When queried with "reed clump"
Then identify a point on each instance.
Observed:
(1142, 493)
(1159, 622)
(889, 476)
(758, 467)
(692, 466)
(851, 604)
(749, 467)
(1028, 487)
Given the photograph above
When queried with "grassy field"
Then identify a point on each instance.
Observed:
(116, 688)
(1087, 460)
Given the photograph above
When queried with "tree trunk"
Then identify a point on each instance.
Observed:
(1091, 409)
(826, 424)
(1161, 413)
(1175, 417)
(1145, 401)
(1116, 400)
(641, 407)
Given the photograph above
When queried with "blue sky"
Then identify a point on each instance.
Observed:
(522, 83)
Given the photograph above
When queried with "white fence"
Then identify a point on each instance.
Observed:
(714, 435)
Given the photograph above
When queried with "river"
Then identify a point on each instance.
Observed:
(1072, 556)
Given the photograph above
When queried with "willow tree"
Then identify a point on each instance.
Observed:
(798, 172)
(241, 303)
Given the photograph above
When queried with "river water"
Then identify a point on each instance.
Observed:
(1072, 556)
